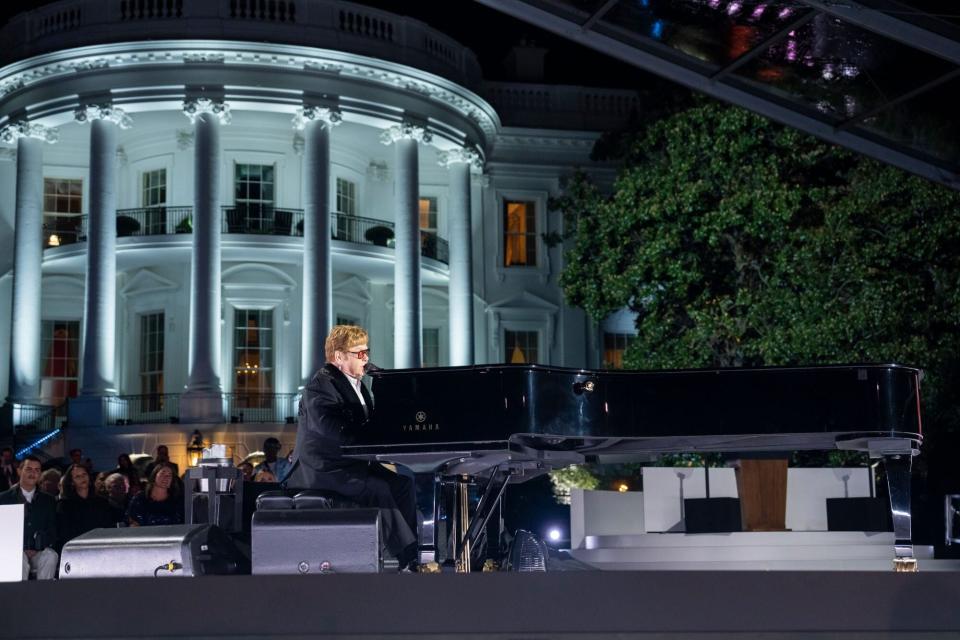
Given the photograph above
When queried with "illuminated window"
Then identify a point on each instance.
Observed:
(614, 346)
(347, 211)
(253, 358)
(521, 347)
(153, 197)
(431, 347)
(519, 233)
(62, 208)
(60, 348)
(151, 361)
(428, 226)
(253, 198)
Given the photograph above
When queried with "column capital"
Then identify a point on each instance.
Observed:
(462, 155)
(330, 117)
(195, 107)
(26, 129)
(406, 131)
(108, 112)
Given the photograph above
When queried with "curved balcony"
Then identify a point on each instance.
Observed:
(316, 23)
(245, 219)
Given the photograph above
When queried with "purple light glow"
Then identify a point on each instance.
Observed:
(713, 4)
(734, 8)
(785, 13)
(758, 12)
(792, 50)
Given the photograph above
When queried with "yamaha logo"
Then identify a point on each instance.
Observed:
(420, 424)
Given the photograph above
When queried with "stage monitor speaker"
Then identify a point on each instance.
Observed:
(858, 514)
(711, 515)
(307, 541)
(162, 551)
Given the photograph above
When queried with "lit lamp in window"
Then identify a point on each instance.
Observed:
(195, 448)
(53, 240)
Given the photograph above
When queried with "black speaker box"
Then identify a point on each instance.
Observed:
(711, 515)
(163, 551)
(307, 541)
(858, 514)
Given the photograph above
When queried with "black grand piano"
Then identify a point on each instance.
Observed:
(487, 426)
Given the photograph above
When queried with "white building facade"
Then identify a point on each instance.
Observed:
(191, 194)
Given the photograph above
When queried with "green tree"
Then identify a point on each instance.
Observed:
(739, 242)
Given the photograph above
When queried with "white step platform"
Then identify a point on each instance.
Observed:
(751, 551)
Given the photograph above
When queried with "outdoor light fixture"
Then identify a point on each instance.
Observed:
(53, 240)
(554, 534)
(195, 448)
(623, 487)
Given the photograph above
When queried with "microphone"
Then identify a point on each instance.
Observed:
(371, 368)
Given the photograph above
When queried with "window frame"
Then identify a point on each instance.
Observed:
(542, 267)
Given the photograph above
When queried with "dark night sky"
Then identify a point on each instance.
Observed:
(490, 34)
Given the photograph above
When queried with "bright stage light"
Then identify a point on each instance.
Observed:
(554, 534)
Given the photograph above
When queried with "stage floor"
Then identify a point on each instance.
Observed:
(573, 604)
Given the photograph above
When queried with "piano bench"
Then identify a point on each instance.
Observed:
(273, 500)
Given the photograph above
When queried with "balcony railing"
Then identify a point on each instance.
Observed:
(30, 419)
(142, 409)
(262, 220)
(256, 220)
(261, 407)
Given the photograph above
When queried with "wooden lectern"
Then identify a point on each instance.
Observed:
(762, 485)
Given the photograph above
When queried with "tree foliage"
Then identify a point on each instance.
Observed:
(739, 242)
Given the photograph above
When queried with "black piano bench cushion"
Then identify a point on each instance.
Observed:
(274, 500)
(314, 499)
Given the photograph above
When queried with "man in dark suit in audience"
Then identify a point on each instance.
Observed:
(333, 406)
(39, 521)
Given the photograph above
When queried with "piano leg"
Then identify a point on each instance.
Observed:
(897, 467)
(492, 493)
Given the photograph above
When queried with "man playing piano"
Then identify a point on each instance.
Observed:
(334, 405)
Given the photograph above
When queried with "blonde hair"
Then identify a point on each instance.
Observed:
(342, 337)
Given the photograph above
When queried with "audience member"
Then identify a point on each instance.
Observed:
(247, 470)
(76, 456)
(163, 457)
(39, 521)
(265, 475)
(160, 503)
(50, 481)
(8, 469)
(100, 484)
(271, 462)
(127, 468)
(118, 496)
(80, 509)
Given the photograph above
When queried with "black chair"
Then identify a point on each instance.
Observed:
(127, 226)
(235, 216)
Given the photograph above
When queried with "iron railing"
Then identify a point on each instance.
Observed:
(142, 409)
(261, 407)
(242, 219)
(153, 221)
(38, 418)
(262, 220)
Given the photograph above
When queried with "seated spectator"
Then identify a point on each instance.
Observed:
(76, 456)
(39, 521)
(127, 468)
(8, 469)
(163, 457)
(271, 462)
(159, 503)
(247, 470)
(265, 475)
(100, 484)
(50, 481)
(80, 509)
(118, 496)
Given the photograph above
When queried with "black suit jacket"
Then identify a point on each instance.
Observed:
(330, 413)
(39, 518)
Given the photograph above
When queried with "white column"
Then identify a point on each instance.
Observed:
(459, 162)
(26, 321)
(407, 305)
(203, 390)
(316, 122)
(98, 375)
